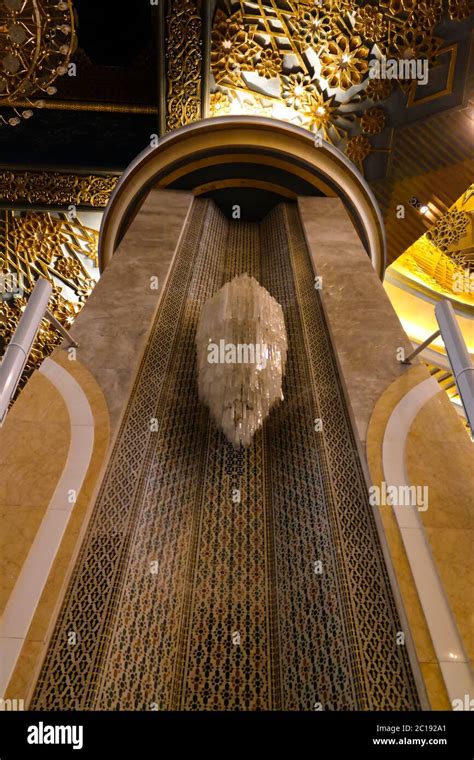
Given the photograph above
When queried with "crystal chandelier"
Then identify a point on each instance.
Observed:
(241, 352)
(37, 39)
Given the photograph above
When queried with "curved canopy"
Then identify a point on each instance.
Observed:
(231, 141)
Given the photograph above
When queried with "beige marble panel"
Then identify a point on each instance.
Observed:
(435, 685)
(111, 330)
(113, 326)
(366, 331)
(440, 454)
(34, 443)
(20, 680)
(24, 676)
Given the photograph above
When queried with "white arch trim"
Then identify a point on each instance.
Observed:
(229, 132)
(447, 643)
(31, 581)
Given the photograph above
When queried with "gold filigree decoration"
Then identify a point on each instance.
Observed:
(52, 246)
(373, 121)
(443, 258)
(379, 89)
(37, 40)
(55, 188)
(344, 62)
(432, 266)
(269, 64)
(319, 109)
(449, 229)
(291, 57)
(297, 88)
(428, 14)
(410, 43)
(183, 63)
(314, 25)
(220, 103)
(371, 23)
(358, 148)
(458, 10)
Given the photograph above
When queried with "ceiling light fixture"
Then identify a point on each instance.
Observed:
(38, 40)
(241, 351)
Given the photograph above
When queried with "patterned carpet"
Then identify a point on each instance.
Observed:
(214, 579)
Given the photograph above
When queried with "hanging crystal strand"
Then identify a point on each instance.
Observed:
(241, 317)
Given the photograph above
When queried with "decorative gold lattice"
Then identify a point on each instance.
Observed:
(308, 63)
(37, 39)
(450, 229)
(443, 258)
(55, 188)
(62, 250)
(232, 615)
(183, 63)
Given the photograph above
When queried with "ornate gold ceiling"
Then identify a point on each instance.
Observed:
(56, 188)
(309, 62)
(443, 258)
(37, 39)
(297, 60)
(62, 250)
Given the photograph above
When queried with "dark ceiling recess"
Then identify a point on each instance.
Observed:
(251, 204)
(105, 115)
(114, 34)
(84, 140)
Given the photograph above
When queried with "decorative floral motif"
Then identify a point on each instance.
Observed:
(296, 88)
(64, 310)
(319, 112)
(53, 188)
(70, 269)
(313, 58)
(370, 23)
(460, 9)
(269, 64)
(449, 230)
(37, 237)
(411, 43)
(373, 121)
(397, 7)
(232, 47)
(344, 62)
(378, 89)
(358, 148)
(183, 57)
(464, 260)
(220, 103)
(313, 25)
(428, 14)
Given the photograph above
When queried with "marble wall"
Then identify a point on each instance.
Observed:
(438, 454)
(366, 331)
(113, 327)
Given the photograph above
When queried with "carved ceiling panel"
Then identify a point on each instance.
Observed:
(53, 246)
(312, 63)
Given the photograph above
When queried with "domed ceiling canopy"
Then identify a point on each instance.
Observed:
(229, 142)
